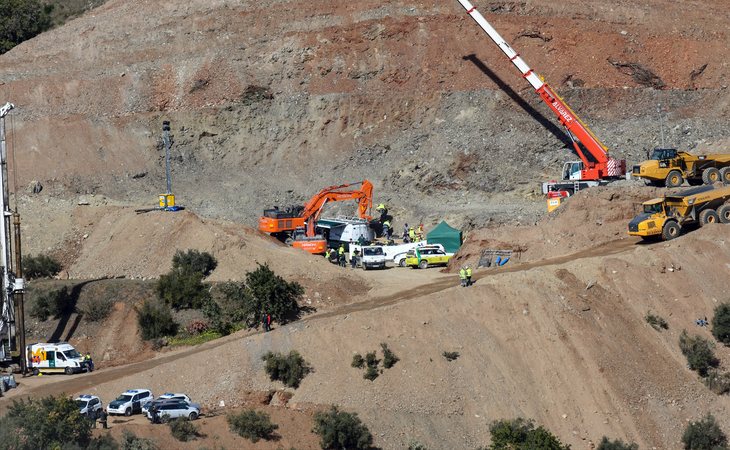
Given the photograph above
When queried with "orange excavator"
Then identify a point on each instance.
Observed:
(297, 225)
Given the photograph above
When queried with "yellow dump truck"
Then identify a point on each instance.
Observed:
(669, 167)
(666, 217)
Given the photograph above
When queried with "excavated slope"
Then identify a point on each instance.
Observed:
(271, 101)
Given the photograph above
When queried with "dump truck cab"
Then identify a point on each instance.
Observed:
(669, 167)
(666, 217)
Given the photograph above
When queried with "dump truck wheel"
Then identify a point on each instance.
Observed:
(725, 175)
(724, 213)
(670, 231)
(711, 175)
(674, 179)
(709, 216)
(423, 264)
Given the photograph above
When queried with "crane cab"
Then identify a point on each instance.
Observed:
(572, 171)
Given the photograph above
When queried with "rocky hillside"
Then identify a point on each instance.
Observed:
(271, 101)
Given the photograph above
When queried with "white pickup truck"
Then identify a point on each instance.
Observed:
(395, 253)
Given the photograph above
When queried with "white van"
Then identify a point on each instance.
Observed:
(396, 253)
(54, 358)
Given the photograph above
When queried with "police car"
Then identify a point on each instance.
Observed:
(89, 405)
(130, 402)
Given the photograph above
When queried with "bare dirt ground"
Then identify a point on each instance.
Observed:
(270, 104)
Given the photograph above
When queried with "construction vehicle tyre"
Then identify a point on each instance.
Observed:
(423, 264)
(670, 230)
(709, 216)
(724, 213)
(725, 175)
(674, 179)
(711, 175)
(364, 267)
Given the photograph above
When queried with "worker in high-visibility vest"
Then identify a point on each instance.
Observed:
(468, 275)
(341, 255)
(462, 276)
(412, 235)
(387, 231)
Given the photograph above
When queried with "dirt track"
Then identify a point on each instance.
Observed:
(81, 383)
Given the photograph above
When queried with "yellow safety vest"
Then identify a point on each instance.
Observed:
(341, 251)
(468, 272)
(462, 274)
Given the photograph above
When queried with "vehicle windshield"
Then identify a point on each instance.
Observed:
(124, 398)
(653, 208)
(373, 251)
(663, 153)
(81, 404)
(72, 354)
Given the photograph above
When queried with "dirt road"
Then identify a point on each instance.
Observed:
(38, 387)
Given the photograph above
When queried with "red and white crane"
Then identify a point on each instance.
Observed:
(595, 166)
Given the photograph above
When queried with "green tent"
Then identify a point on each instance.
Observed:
(445, 235)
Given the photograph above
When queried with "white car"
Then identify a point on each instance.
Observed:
(130, 402)
(89, 405)
(172, 409)
(168, 396)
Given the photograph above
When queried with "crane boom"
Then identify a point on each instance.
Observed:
(599, 166)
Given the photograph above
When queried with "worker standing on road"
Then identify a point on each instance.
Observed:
(383, 210)
(468, 275)
(327, 254)
(267, 322)
(341, 256)
(462, 276)
(102, 418)
(89, 362)
(353, 258)
(412, 234)
(419, 232)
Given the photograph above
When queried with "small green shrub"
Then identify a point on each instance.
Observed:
(358, 361)
(415, 445)
(699, 352)
(252, 425)
(656, 322)
(52, 304)
(371, 362)
(95, 309)
(718, 382)
(521, 434)
(389, 358)
(183, 429)
(371, 373)
(704, 434)
(182, 289)
(618, 444)
(451, 356)
(155, 320)
(721, 323)
(290, 369)
(340, 430)
(41, 266)
(131, 441)
(194, 261)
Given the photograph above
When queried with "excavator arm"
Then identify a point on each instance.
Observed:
(275, 222)
(599, 165)
(313, 208)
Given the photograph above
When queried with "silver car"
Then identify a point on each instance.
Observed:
(172, 409)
